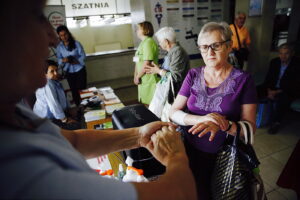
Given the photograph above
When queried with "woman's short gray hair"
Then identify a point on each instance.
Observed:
(222, 27)
(166, 33)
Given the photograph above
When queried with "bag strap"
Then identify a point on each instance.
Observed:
(237, 137)
(248, 132)
(237, 35)
(244, 128)
(172, 87)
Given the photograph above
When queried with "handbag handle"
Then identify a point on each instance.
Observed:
(238, 132)
(172, 87)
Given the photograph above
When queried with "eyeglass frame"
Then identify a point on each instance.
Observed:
(210, 46)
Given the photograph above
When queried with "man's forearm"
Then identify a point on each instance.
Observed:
(92, 143)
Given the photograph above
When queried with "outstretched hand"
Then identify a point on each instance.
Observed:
(152, 69)
(218, 119)
(204, 128)
(136, 80)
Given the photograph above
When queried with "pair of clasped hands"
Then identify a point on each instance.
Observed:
(162, 140)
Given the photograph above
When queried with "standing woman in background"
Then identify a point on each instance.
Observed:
(145, 54)
(70, 54)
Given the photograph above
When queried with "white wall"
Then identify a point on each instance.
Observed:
(91, 36)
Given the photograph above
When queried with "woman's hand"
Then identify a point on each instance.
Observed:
(152, 69)
(71, 121)
(166, 144)
(204, 128)
(136, 80)
(146, 131)
(220, 120)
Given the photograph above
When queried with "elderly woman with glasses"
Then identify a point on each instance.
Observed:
(176, 61)
(212, 99)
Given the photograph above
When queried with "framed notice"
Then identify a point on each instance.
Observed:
(255, 8)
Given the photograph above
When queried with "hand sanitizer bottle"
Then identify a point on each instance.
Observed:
(121, 172)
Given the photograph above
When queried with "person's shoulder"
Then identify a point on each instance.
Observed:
(294, 65)
(295, 60)
(51, 83)
(275, 61)
(240, 74)
(78, 44)
(150, 44)
(231, 26)
(150, 41)
(245, 28)
(196, 70)
(176, 50)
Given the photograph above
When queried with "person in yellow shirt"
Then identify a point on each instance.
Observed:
(241, 38)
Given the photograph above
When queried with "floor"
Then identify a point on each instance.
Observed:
(273, 152)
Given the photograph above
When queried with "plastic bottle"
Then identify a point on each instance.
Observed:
(130, 175)
(141, 177)
(129, 161)
(121, 172)
(134, 175)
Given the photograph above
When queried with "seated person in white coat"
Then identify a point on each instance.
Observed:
(51, 101)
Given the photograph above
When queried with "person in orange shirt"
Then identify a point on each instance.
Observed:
(241, 38)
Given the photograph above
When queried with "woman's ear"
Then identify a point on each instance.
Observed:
(168, 42)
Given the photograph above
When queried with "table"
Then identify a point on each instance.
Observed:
(112, 160)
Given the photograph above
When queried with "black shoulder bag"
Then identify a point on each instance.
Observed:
(234, 173)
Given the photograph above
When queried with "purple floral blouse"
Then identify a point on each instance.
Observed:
(226, 99)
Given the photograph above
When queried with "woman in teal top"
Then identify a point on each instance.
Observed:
(146, 53)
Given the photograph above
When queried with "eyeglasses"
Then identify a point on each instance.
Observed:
(217, 46)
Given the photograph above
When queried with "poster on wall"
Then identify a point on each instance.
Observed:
(187, 18)
(159, 14)
(203, 13)
(255, 7)
(173, 16)
(159, 18)
(190, 30)
(56, 15)
(216, 4)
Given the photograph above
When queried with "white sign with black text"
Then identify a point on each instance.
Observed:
(76, 8)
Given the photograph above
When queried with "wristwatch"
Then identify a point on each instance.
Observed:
(229, 126)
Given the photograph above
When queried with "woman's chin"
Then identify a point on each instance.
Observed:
(211, 64)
